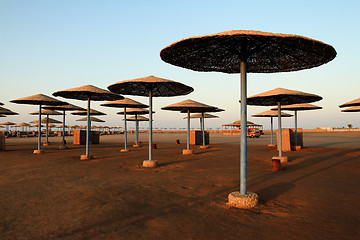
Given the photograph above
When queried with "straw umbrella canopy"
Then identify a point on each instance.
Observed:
(150, 87)
(271, 114)
(6, 124)
(40, 100)
(5, 111)
(92, 119)
(352, 109)
(352, 103)
(23, 124)
(93, 112)
(46, 112)
(199, 115)
(125, 103)
(1, 104)
(136, 112)
(45, 120)
(281, 96)
(88, 93)
(1, 115)
(189, 106)
(242, 51)
(296, 108)
(64, 108)
(139, 119)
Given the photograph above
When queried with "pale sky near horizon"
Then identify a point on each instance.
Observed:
(46, 46)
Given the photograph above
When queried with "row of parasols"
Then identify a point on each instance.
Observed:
(237, 51)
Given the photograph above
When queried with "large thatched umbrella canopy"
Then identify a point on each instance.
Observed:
(93, 112)
(271, 114)
(200, 115)
(46, 120)
(92, 119)
(64, 108)
(150, 87)
(7, 123)
(242, 51)
(281, 96)
(352, 103)
(88, 93)
(5, 111)
(39, 99)
(296, 108)
(124, 103)
(1, 104)
(1, 115)
(139, 118)
(352, 109)
(189, 106)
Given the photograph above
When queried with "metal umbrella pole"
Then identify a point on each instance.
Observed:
(150, 126)
(63, 130)
(188, 130)
(125, 133)
(279, 129)
(271, 133)
(47, 129)
(295, 127)
(137, 130)
(203, 128)
(88, 128)
(39, 129)
(243, 139)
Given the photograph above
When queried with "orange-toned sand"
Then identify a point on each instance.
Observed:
(56, 196)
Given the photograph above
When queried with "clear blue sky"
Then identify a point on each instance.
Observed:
(46, 46)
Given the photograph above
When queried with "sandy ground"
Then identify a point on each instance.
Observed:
(56, 196)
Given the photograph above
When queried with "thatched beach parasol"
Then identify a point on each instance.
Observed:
(39, 99)
(5, 111)
(93, 112)
(64, 108)
(296, 108)
(352, 103)
(189, 106)
(124, 103)
(352, 109)
(136, 112)
(271, 114)
(88, 93)
(46, 112)
(92, 119)
(242, 51)
(150, 87)
(7, 124)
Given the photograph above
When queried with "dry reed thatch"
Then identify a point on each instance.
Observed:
(92, 112)
(38, 99)
(46, 112)
(199, 115)
(1, 104)
(299, 107)
(352, 109)
(139, 119)
(282, 95)
(2, 115)
(160, 87)
(352, 103)
(92, 119)
(271, 113)
(189, 105)
(7, 123)
(23, 124)
(264, 52)
(135, 111)
(126, 102)
(5, 111)
(67, 107)
(43, 120)
(84, 92)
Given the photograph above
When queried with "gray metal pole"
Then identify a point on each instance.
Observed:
(271, 140)
(150, 126)
(39, 129)
(88, 128)
(63, 130)
(125, 133)
(188, 130)
(203, 128)
(295, 127)
(137, 129)
(279, 129)
(47, 129)
(243, 139)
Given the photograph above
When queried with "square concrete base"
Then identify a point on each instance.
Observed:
(282, 159)
(188, 151)
(136, 146)
(244, 201)
(124, 150)
(150, 164)
(297, 148)
(271, 145)
(63, 147)
(203, 147)
(38, 151)
(86, 157)
(46, 144)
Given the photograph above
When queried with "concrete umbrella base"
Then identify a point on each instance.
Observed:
(46, 144)
(282, 159)
(63, 147)
(244, 201)
(275, 165)
(150, 164)
(136, 146)
(271, 145)
(188, 151)
(38, 151)
(203, 147)
(86, 157)
(124, 150)
(297, 148)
